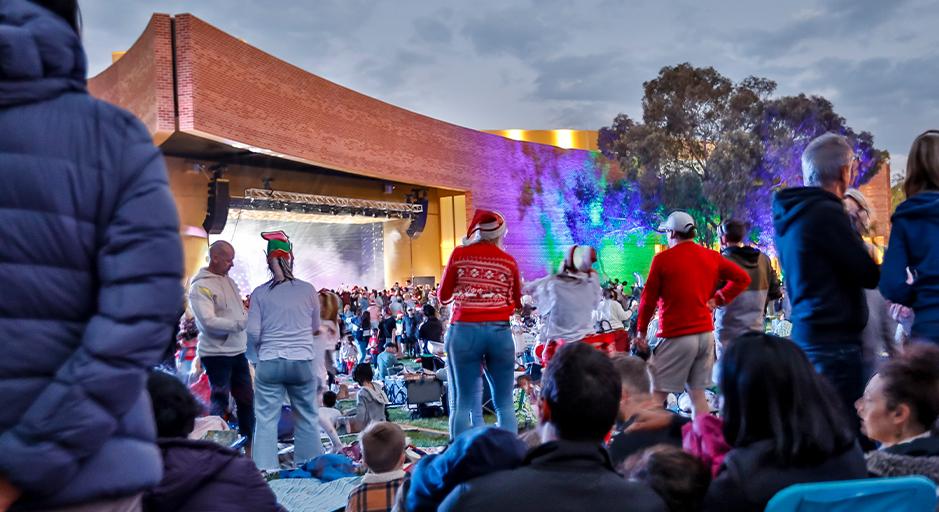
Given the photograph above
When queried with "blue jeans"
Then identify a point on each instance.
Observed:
(230, 375)
(469, 346)
(843, 367)
(298, 379)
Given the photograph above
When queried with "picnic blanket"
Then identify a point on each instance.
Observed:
(311, 495)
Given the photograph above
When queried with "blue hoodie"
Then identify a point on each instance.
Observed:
(91, 262)
(825, 267)
(474, 453)
(914, 244)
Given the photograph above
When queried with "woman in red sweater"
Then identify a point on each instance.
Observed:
(482, 281)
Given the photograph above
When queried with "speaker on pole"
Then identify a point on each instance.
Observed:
(216, 214)
(417, 223)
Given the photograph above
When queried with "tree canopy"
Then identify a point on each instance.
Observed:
(719, 149)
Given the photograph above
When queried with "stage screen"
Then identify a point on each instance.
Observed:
(329, 251)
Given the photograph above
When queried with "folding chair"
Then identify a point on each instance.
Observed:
(910, 493)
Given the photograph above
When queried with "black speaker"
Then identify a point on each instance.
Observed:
(417, 223)
(216, 214)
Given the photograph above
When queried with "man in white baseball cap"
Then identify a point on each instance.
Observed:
(682, 284)
(677, 222)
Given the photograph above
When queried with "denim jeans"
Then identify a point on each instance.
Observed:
(230, 375)
(842, 366)
(272, 378)
(470, 346)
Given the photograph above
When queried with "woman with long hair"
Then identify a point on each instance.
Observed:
(483, 284)
(910, 273)
(284, 314)
(783, 422)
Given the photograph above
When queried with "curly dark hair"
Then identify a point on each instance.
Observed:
(174, 407)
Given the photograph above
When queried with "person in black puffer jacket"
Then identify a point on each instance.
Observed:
(198, 475)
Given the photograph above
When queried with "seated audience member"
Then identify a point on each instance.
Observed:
(198, 475)
(783, 422)
(523, 396)
(328, 411)
(383, 445)
(637, 397)
(387, 360)
(899, 410)
(474, 453)
(680, 479)
(571, 470)
(370, 402)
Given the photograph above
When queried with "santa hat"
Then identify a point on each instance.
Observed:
(278, 245)
(486, 225)
(580, 258)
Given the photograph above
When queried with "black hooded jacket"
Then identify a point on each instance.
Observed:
(825, 267)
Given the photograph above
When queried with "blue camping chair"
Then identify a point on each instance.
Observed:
(909, 494)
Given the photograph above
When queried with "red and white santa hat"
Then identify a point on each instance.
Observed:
(580, 258)
(486, 225)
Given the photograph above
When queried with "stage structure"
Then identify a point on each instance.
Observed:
(212, 101)
(338, 241)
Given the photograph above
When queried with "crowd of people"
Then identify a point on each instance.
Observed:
(100, 413)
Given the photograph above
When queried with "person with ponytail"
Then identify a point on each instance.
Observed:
(284, 315)
(483, 284)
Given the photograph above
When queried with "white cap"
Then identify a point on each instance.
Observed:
(678, 222)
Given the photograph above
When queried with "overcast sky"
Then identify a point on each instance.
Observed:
(575, 64)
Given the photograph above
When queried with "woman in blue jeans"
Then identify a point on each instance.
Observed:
(482, 281)
(284, 314)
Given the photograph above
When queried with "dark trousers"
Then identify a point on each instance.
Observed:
(229, 375)
(843, 367)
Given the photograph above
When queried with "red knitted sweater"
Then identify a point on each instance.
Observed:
(483, 283)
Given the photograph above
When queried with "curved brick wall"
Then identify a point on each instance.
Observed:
(142, 80)
(232, 92)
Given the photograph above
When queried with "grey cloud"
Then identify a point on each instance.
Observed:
(519, 32)
(838, 19)
(432, 30)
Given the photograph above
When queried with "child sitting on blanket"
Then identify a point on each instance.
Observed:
(383, 445)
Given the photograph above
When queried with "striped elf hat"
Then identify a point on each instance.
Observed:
(278, 245)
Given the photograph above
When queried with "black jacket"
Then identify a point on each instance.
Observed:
(750, 476)
(825, 267)
(557, 476)
(431, 330)
(623, 444)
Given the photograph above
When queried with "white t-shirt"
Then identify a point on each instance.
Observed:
(331, 415)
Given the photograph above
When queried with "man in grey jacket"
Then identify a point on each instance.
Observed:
(747, 312)
(220, 316)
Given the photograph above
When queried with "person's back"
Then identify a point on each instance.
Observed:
(914, 244)
(386, 361)
(574, 299)
(571, 470)
(92, 267)
(747, 312)
(283, 319)
(685, 279)
(825, 266)
(750, 476)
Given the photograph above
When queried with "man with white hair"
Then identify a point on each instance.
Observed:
(825, 264)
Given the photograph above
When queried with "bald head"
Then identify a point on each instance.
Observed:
(221, 257)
